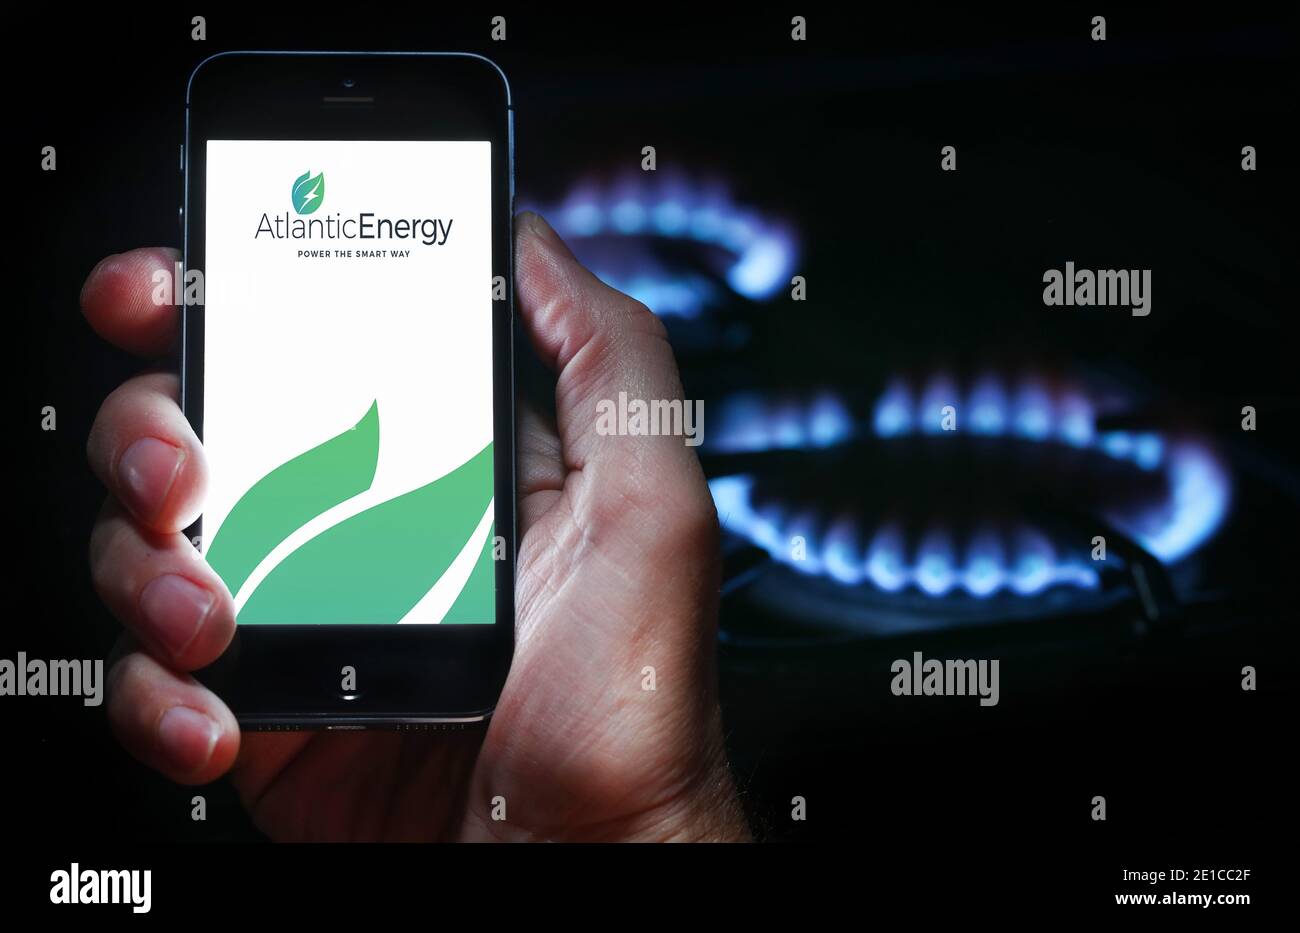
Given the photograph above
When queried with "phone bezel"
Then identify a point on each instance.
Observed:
(288, 676)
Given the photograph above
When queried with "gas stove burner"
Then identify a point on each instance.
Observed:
(620, 231)
(992, 487)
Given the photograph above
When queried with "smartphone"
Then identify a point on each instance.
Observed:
(346, 361)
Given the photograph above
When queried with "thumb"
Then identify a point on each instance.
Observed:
(602, 343)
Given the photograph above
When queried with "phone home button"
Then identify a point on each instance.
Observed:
(345, 683)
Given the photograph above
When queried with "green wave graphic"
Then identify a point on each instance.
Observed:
(293, 494)
(375, 566)
(477, 602)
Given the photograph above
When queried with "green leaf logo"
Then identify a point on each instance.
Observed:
(373, 567)
(308, 193)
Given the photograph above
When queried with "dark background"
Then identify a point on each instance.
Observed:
(1117, 154)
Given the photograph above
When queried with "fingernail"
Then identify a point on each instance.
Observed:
(543, 229)
(146, 473)
(174, 609)
(187, 738)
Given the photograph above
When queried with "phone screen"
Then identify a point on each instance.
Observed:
(348, 380)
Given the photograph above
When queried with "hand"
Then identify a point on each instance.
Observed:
(617, 571)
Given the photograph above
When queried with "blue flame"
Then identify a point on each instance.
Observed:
(763, 252)
(986, 563)
(1023, 561)
(988, 407)
(894, 412)
(1200, 493)
(684, 296)
(747, 423)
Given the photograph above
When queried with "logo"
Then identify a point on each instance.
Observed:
(307, 195)
(308, 192)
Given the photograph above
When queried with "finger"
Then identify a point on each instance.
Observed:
(601, 343)
(143, 449)
(170, 721)
(161, 590)
(118, 299)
